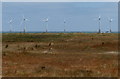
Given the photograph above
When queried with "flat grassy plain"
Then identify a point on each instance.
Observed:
(60, 54)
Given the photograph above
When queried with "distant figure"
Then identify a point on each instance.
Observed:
(6, 46)
(103, 43)
(36, 46)
(92, 38)
(43, 67)
(50, 47)
(24, 48)
(50, 44)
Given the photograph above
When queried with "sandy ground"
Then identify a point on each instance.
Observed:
(77, 55)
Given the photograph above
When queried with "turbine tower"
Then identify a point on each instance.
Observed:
(10, 22)
(99, 22)
(110, 20)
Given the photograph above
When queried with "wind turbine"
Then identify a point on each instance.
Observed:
(110, 20)
(66, 21)
(64, 26)
(46, 23)
(24, 23)
(10, 22)
(99, 22)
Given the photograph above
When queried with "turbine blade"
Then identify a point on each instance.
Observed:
(21, 22)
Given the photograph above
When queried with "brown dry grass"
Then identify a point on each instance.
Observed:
(72, 55)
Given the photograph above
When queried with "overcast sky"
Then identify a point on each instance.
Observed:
(80, 16)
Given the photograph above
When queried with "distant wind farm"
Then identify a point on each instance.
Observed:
(60, 39)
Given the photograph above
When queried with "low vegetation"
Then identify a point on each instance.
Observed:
(60, 54)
